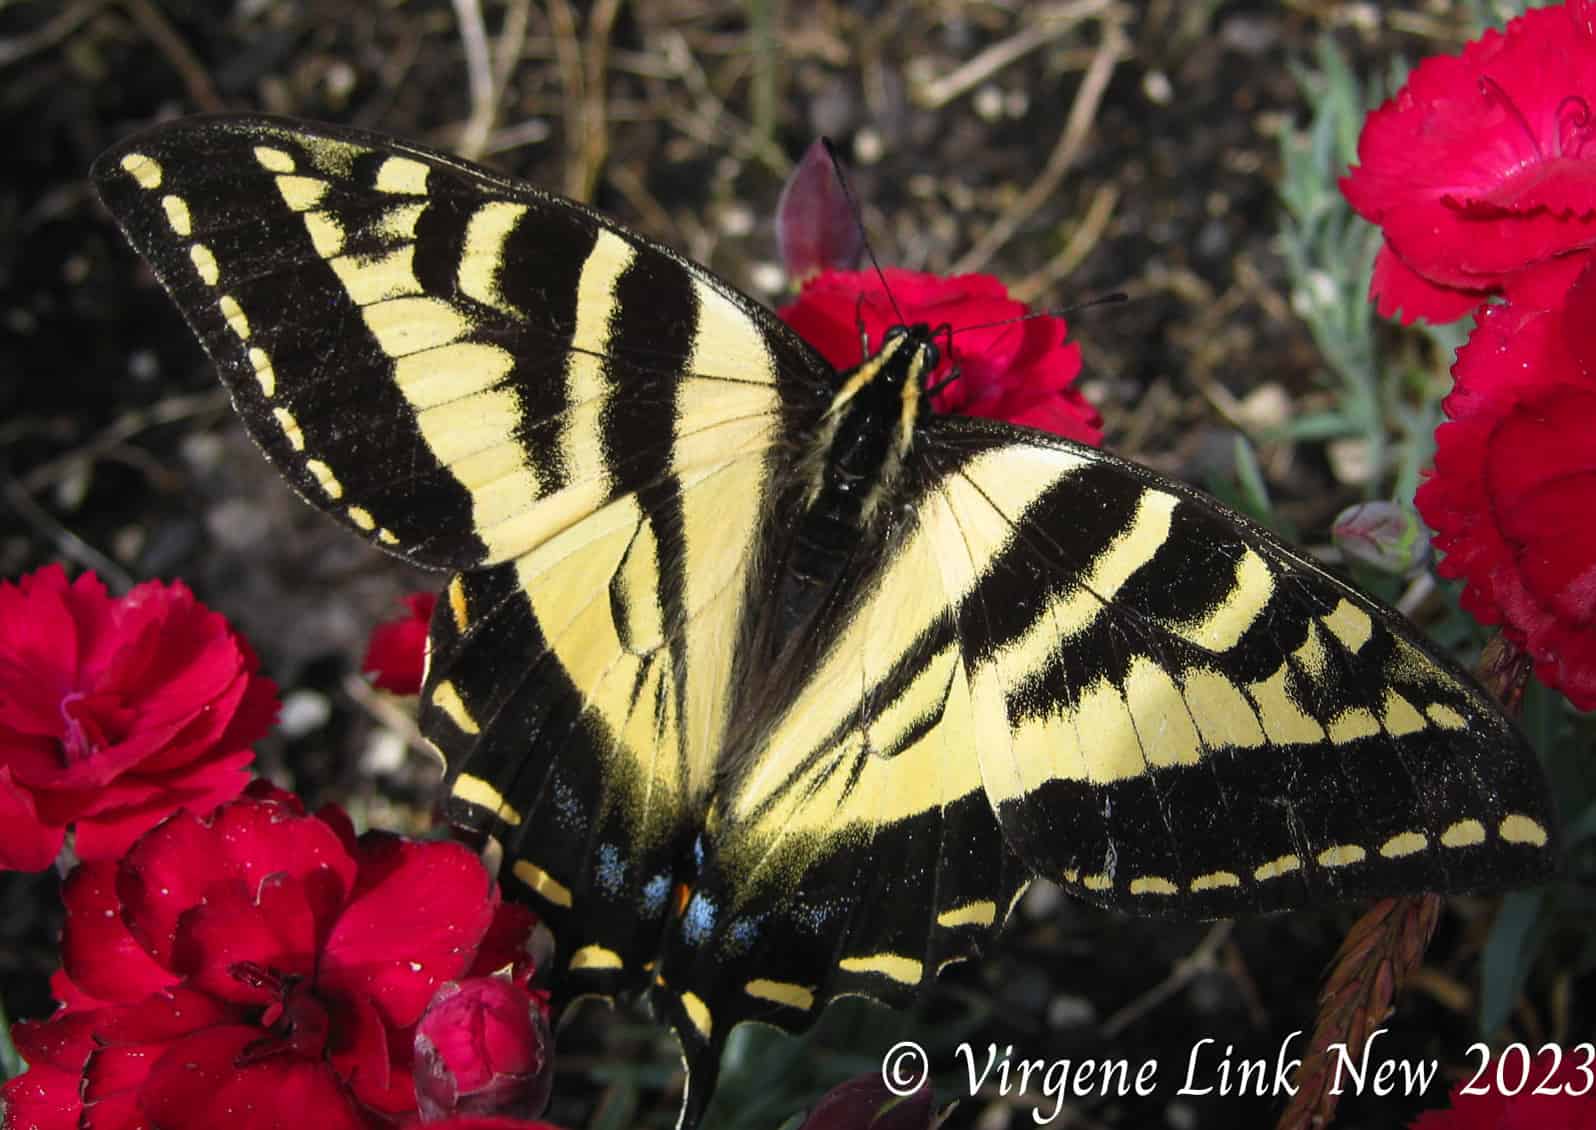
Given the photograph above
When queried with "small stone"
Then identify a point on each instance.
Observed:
(303, 711)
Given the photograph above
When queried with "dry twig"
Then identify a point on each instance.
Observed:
(64, 24)
(201, 90)
(1092, 226)
(1202, 959)
(583, 79)
(122, 429)
(487, 77)
(67, 543)
(1083, 111)
(1047, 26)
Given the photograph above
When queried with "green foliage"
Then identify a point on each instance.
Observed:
(11, 1064)
(1386, 384)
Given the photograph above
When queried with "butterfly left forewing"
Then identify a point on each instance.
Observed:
(479, 376)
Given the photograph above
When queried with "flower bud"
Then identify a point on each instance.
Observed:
(483, 1047)
(865, 1103)
(816, 227)
(1387, 535)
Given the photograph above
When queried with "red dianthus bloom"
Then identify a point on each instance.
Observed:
(113, 713)
(396, 655)
(1567, 1101)
(260, 969)
(1018, 371)
(1482, 170)
(1514, 485)
(488, 1122)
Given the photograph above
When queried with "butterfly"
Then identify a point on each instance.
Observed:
(767, 684)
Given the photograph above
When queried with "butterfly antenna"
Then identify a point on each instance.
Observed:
(1102, 300)
(864, 236)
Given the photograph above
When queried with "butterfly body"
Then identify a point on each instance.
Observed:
(771, 685)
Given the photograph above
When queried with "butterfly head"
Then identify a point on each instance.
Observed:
(918, 343)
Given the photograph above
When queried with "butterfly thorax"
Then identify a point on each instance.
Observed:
(868, 429)
(851, 467)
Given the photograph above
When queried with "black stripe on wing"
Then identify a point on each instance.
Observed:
(307, 375)
(1203, 722)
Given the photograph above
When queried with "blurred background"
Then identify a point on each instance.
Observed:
(1185, 154)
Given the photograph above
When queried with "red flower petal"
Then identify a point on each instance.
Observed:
(1398, 291)
(365, 1053)
(414, 921)
(816, 227)
(1484, 163)
(113, 713)
(504, 946)
(161, 1017)
(64, 1041)
(1515, 481)
(29, 844)
(111, 834)
(273, 927)
(88, 1065)
(98, 952)
(396, 655)
(483, 1045)
(304, 969)
(43, 1098)
(174, 868)
(198, 1085)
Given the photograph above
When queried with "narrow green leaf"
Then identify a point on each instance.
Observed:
(1508, 954)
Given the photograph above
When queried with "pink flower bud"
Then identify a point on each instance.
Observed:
(483, 1047)
(1387, 535)
(865, 1103)
(815, 226)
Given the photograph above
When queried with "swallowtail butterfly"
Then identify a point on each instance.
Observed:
(771, 685)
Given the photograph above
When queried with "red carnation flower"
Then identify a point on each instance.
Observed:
(484, 1047)
(113, 713)
(253, 969)
(397, 653)
(1482, 170)
(488, 1122)
(1514, 484)
(1015, 371)
(1570, 1105)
